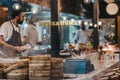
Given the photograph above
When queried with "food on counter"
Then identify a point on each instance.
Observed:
(27, 46)
(63, 51)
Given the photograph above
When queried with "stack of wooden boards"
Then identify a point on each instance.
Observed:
(18, 70)
(39, 67)
(56, 68)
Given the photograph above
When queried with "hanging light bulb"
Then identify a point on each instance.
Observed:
(99, 23)
(86, 23)
(72, 20)
(34, 10)
(95, 25)
(16, 6)
(64, 18)
(91, 24)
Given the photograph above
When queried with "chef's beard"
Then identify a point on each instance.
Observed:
(19, 22)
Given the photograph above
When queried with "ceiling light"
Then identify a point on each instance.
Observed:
(16, 6)
(64, 18)
(91, 24)
(99, 23)
(86, 23)
(72, 20)
(95, 25)
(87, 1)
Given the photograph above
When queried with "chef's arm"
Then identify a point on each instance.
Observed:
(3, 43)
(26, 40)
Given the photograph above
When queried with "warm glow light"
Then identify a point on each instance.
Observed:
(72, 20)
(87, 1)
(64, 18)
(109, 48)
(99, 23)
(95, 25)
(86, 23)
(91, 24)
(34, 10)
(16, 6)
(112, 34)
(112, 26)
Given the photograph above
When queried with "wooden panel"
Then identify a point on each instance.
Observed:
(118, 30)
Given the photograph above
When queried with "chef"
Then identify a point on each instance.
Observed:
(11, 35)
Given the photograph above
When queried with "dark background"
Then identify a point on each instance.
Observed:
(74, 7)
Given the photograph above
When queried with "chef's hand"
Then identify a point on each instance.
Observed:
(17, 48)
(25, 47)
